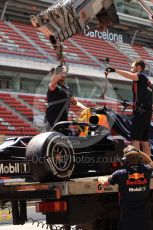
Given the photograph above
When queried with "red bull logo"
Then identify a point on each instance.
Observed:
(136, 182)
(136, 176)
(136, 179)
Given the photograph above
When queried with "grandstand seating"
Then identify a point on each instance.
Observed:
(71, 53)
(12, 125)
(11, 43)
(141, 51)
(102, 49)
(137, 52)
(128, 50)
(37, 102)
(17, 105)
(120, 54)
(145, 53)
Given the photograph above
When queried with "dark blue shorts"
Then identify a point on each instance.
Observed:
(140, 126)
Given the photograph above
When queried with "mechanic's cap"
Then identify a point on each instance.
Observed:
(131, 149)
(131, 156)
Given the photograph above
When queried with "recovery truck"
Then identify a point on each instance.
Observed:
(58, 191)
(76, 201)
(49, 166)
(81, 202)
(64, 189)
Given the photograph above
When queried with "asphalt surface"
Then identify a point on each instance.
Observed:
(27, 226)
(6, 221)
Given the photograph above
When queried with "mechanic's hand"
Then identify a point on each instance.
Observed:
(61, 72)
(103, 180)
(109, 70)
(131, 149)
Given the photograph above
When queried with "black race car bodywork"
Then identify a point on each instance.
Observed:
(62, 153)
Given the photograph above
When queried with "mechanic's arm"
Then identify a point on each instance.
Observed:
(54, 81)
(60, 74)
(77, 103)
(146, 159)
(111, 180)
(126, 74)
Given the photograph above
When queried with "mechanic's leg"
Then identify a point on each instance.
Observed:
(146, 147)
(136, 144)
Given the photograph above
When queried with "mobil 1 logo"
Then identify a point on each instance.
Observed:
(13, 168)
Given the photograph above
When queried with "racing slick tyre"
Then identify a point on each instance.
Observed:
(51, 157)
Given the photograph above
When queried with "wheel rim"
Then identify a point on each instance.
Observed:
(61, 156)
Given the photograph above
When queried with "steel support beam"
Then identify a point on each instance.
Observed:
(4, 10)
(134, 36)
(146, 8)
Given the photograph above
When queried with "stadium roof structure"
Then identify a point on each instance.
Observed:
(20, 11)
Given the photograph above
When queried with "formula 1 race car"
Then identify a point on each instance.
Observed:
(62, 153)
(91, 146)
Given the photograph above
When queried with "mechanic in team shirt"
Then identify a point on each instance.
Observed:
(134, 190)
(142, 104)
(59, 97)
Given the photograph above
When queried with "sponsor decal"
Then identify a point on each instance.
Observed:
(104, 189)
(108, 189)
(105, 35)
(136, 179)
(49, 161)
(136, 176)
(14, 168)
(100, 187)
(140, 189)
(5, 215)
(137, 182)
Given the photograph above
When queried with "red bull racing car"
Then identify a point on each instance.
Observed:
(63, 152)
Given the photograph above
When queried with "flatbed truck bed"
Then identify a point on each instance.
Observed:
(74, 202)
(73, 187)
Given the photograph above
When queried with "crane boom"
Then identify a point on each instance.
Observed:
(65, 18)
